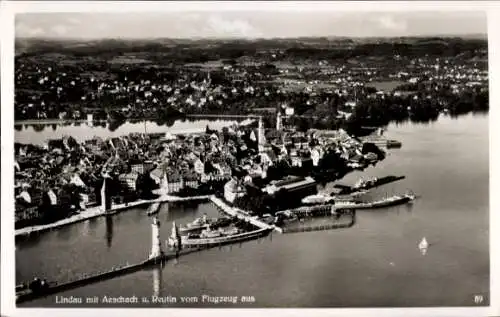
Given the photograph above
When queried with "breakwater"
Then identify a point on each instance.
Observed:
(99, 277)
(321, 227)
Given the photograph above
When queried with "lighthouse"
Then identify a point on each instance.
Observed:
(156, 251)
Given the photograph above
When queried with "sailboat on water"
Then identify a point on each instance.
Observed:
(423, 245)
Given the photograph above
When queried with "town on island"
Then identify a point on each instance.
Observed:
(294, 131)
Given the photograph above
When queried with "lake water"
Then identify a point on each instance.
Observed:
(376, 263)
(83, 131)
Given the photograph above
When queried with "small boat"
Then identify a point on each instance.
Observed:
(35, 287)
(198, 224)
(209, 238)
(316, 199)
(286, 217)
(386, 202)
(393, 144)
(376, 181)
(423, 244)
(392, 201)
(268, 218)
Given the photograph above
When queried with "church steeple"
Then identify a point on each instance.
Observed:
(261, 137)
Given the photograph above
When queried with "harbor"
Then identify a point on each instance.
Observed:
(157, 257)
(176, 247)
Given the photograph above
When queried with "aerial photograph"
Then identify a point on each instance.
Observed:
(240, 159)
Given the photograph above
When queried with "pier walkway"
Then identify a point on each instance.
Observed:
(307, 211)
(241, 214)
(97, 211)
(319, 227)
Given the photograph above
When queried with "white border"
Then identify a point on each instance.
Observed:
(9, 9)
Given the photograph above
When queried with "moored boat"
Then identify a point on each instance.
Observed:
(375, 182)
(386, 202)
(209, 238)
(393, 144)
(198, 224)
(35, 288)
(316, 199)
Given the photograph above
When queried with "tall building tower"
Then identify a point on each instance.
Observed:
(105, 201)
(278, 120)
(164, 184)
(156, 251)
(261, 137)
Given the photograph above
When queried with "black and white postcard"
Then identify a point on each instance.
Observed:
(242, 155)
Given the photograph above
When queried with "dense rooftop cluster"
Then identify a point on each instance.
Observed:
(64, 176)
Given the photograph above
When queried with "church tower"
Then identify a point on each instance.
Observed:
(278, 120)
(105, 201)
(261, 137)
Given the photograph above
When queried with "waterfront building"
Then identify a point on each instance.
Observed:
(52, 197)
(129, 180)
(27, 214)
(233, 190)
(291, 185)
(199, 167)
(137, 168)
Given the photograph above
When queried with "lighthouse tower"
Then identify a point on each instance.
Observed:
(156, 251)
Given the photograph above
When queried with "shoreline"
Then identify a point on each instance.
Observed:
(209, 117)
(95, 212)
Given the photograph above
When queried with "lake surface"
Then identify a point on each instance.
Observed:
(376, 263)
(38, 134)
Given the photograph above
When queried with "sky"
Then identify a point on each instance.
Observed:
(247, 24)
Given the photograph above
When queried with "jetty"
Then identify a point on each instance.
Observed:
(324, 209)
(98, 211)
(240, 214)
(367, 184)
(322, 227)
(311, 211)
